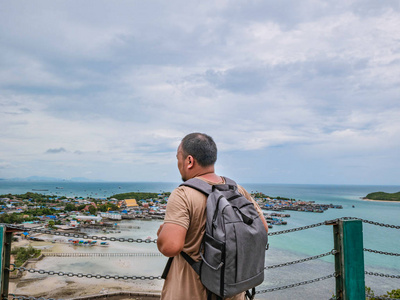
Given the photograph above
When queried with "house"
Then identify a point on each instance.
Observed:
(111, 215)
(130, 203)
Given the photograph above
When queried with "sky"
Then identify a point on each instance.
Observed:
(303, 92)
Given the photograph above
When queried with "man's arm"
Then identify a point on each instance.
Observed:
(171, 239)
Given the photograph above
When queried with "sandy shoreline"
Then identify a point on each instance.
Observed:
(387, 201)
(54, 286)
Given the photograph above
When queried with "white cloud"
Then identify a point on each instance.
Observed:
(117, 85)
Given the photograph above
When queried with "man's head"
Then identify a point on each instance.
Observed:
(197, 153)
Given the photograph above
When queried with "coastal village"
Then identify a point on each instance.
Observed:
(74, 213)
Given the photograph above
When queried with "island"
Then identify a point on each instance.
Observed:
(382, 196)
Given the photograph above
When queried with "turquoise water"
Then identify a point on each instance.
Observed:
(283, 248)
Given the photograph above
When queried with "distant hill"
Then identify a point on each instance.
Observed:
(383, 196)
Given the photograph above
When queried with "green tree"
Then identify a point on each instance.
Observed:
(22, 254)
(92, 210)
(69, 207)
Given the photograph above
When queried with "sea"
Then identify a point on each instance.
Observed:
(283, 248)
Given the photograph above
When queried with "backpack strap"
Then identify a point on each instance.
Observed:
(194, 264)
(199, 185)
(204, 187)
(250, 296)
(167, 267)
(230, 181)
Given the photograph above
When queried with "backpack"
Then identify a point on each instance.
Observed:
(234, 244)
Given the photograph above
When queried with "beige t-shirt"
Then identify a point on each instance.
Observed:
(187, 207)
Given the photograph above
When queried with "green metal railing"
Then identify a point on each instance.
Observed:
(348, 252)
(349, 260)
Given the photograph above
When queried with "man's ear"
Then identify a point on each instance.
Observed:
(190, 161)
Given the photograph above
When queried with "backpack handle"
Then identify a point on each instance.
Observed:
(246, 219)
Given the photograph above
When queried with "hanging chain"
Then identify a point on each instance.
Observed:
(382, 275)
(130, 240)
(333, 252)
(382, 252)
(28, 298)
(81, 236)
(80, 275)
(296, 229)
(295, 284)
(381, 224)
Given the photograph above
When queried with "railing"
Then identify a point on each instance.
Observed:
(348, 251)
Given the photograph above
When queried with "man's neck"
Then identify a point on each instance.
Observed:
(211, 177)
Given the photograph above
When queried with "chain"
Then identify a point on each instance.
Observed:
(330, 222)
(80, 275)
(81, 236)
(28, 298)
(97, 254)
(296, 229)
(333, 252)
(382, 275)
(370, 222)
(295, 284)
(382, 252)
(130, 240)
(381, 224)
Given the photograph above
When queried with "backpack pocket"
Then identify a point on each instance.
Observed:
(213, 254)
(249, 242)
(213, 264)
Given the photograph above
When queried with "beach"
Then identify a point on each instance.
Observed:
(65, 287)
(387, 201)
(283, 247)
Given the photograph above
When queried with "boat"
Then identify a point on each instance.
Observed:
(88, 243)
(104, 244)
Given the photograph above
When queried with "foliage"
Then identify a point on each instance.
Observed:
(22, 254)
(261, 195)
(69, 207)
(92, 210)
(394, 294)
(14, 218)
(80, 207)
(35, 196)
(134, 195)
(384, 196)
(106, 207)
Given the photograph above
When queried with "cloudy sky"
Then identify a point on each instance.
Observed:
(292, 91)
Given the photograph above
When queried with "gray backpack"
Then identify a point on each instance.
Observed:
(234, 243)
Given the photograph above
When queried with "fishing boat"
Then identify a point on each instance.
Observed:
(88, 243)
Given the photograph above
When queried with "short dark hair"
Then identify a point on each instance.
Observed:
(201, 146)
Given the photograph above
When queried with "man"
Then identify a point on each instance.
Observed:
(184, 222)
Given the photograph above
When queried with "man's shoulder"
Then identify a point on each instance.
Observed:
(183, 191)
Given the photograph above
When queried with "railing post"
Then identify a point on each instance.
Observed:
(349, 260)
(5, 252)
(2, 237)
